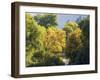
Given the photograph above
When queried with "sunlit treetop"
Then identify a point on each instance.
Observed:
(70, 26)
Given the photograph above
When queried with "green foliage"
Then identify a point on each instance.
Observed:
(42, 43)
(34, 38)
(70, 26)
(84, 58)
(46, 20)
(46, 45)
(78, 48)
(74, 42)
(55, 40)
(73, 36)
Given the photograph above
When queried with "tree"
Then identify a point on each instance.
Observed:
(70, 26)
(55, 43)
(46, 20)
(78, 42)
(74, 46)
(55, 40)
(74, 42)
(84, 58)
(42, 44)
(34, 38)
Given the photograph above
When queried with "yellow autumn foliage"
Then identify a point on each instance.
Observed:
(75, 39)
(55, 39)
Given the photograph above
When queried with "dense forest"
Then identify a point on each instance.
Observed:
(48, 45)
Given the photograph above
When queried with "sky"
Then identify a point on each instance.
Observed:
(63, 18)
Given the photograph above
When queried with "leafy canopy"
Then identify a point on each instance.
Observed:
(46, 20)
